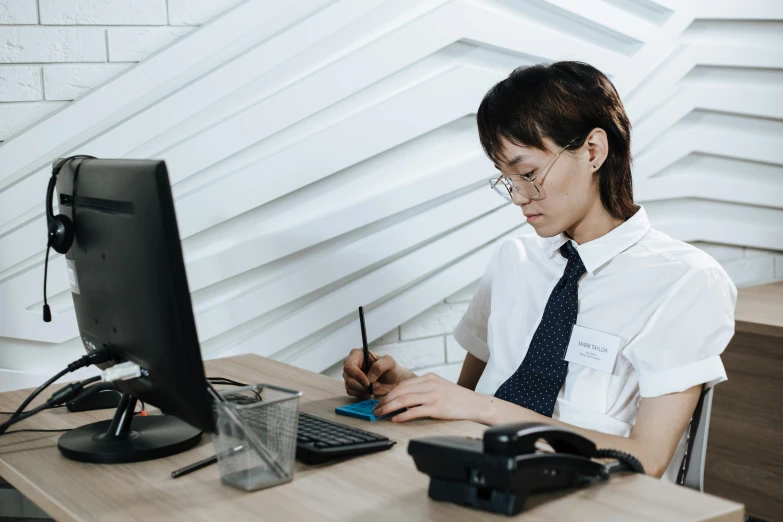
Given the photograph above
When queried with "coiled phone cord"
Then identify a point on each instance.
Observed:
(626, 460)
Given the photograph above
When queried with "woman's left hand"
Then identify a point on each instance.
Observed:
(430, 396)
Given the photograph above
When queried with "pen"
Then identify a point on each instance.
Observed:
(204, 463)
(366, 350)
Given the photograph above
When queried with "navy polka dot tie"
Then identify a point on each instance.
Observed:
(537, 382)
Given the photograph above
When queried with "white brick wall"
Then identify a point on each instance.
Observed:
(17, 115)
(20, 84)
(33, 44)
(68, 82)
(421, 353)
(103, 12)
(425, 344)
(455, 353)
(746, 266)
(438, 320)
(418, 344)
(134, 44)
(57, 50)
(434, 326)
(18, 12)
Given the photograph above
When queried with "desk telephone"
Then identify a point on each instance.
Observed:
(497, 473)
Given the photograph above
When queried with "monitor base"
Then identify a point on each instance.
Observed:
(128, 438)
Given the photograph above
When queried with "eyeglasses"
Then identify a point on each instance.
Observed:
(504, 185)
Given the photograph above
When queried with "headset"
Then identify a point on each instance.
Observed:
(60, 227)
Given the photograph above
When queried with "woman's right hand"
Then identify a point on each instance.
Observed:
(385, 373)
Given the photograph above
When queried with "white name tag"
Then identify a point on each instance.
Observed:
(594, 349)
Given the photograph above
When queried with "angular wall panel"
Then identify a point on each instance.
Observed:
(323, 155)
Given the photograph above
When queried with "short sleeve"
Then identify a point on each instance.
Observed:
(680, 345)
(471, 331)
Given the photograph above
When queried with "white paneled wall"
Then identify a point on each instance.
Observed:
(323, 153)
(52, 51)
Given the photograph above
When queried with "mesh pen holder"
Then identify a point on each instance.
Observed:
(255, 440)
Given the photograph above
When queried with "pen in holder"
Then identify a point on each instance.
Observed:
(255, 440)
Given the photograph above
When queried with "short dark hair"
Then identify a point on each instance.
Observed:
(562, 101)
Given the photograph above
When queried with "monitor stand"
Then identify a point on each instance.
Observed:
(128, 437)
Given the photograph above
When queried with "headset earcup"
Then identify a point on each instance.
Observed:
(61, 233)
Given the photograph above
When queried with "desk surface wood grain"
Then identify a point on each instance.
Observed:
(760, 309)
(377, 487)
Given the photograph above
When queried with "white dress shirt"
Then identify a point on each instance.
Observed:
(671, 304)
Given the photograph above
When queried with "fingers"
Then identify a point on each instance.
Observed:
(408, 400)
(355, 357)
(418, 385)
(353, 367)
(380, 390)
(354, 388)
(356, 374)
(381, 366)
(419, 412)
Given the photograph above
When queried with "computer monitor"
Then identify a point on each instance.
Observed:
(130, 293)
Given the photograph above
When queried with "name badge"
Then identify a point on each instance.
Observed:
(594, 349)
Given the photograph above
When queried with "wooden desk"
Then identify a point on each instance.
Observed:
(381, 486)
(745, 446)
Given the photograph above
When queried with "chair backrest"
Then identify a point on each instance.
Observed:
(697, 444)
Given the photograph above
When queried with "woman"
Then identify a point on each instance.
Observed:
(591, 320)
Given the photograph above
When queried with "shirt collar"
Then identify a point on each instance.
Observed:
(599, 251)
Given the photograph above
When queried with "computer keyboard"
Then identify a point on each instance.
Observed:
(319, 440)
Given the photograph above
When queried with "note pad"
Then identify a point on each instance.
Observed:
(361, 410)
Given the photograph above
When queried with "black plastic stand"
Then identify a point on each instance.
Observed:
(128, 438)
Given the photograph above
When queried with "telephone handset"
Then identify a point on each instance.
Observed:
(517, 439)
(498, 472)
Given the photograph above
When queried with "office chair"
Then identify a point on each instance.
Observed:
(700, 426)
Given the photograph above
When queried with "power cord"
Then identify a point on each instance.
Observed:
(233, 397)
(97, 356)
(60, 396)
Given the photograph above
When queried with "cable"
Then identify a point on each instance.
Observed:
(38, 390)
(626, 460)
(32, 430)
(63, 395)
(224, 380)
(12, 412)
(95, 357)
(237, 399)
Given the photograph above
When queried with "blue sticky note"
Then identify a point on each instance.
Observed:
(360, 410)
